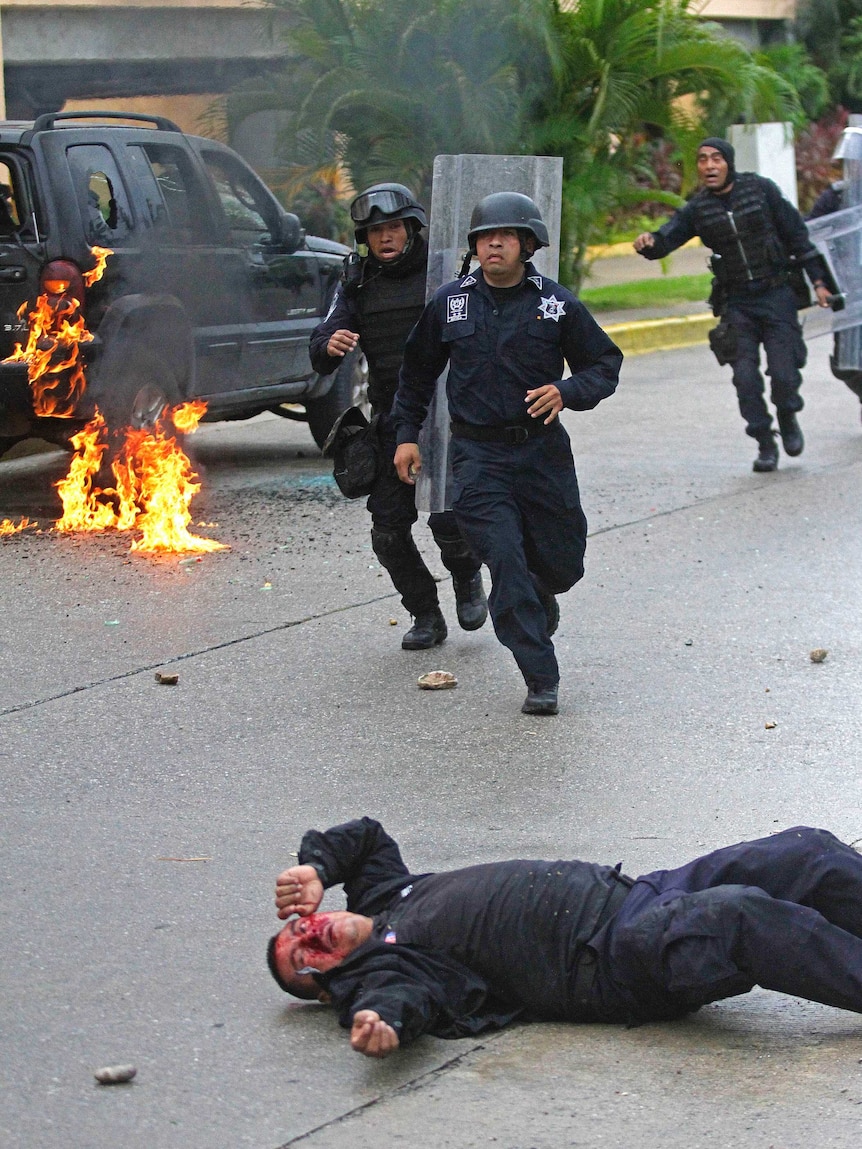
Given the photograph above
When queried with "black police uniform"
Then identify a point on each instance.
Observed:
(753, 231)
(516, 495)
(381, 303)
(458, 952)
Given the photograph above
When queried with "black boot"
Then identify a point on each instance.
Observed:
(791, 433)
(428, 629)
(470, 601)
(541, 699)
(767, 456)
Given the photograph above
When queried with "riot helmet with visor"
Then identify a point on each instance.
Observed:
(383, 202)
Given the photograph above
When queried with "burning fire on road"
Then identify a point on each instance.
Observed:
(154, 482)
(7, 527)
(154, 485)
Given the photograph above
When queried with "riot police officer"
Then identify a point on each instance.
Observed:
(505, 331)
(753, 231)
(381, 296)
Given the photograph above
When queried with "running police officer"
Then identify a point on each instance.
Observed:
(753, 231)
(505, 331)
(381, 297)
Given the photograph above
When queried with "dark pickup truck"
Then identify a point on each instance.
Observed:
(210, 293)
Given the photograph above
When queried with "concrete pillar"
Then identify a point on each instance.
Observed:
(768, 150)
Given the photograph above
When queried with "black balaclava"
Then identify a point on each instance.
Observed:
(727, 153)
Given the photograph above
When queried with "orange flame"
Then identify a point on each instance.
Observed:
(83, 507)
(154, 486)
(7, 527)
(52, 355)
(56, 329)
(154, 483)
(95, 274)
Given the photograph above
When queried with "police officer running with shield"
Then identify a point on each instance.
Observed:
(380, 298)
(505, 331)
(753, 231)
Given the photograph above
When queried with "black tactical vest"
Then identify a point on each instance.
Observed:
(744, 237)
(388, 304)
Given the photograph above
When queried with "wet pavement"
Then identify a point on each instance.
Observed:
(143, 823)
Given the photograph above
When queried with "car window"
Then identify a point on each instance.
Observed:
(174, 194)
(249, 211)
(16, 212)
(105, 210)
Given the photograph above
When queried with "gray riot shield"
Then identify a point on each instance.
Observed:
(839, 238)
(459, 183)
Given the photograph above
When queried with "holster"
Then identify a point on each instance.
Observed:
(354, 447)
(723, 342)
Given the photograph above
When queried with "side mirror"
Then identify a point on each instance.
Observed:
(291, 233)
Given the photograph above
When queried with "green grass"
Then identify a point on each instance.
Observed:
(647, 292)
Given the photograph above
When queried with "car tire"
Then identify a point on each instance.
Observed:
(349, 389)
(145, 386)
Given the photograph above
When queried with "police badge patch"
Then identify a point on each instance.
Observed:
(553, 308)
(456, 308)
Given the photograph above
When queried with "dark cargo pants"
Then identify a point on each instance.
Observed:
(519, 509)
(393, 512)
(784, 913)
(768, 318)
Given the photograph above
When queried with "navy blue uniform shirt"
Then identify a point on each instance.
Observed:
(497, 353)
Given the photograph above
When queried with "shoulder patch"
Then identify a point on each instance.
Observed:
(456, 307)
(469, 281)
(537, 279)
(390, 937)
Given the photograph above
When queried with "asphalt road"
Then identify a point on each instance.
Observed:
(143, 824)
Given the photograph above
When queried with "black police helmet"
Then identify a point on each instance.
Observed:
(507, 209)
(382, 202)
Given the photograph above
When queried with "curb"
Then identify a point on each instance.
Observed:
(642, 336)
(612, 250)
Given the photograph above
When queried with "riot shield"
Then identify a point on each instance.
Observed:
(839, 239)
(459, 183)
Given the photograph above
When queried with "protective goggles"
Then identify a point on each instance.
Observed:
(385, 202)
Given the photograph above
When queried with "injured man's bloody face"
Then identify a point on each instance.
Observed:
(319, 942)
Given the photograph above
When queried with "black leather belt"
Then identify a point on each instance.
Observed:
(511, 433)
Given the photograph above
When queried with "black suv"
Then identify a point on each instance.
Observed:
(211, 291)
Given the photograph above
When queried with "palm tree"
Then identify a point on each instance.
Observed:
(382, 86)
(633, 66)
(374, 89)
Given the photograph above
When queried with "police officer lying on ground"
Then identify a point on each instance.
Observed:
(505, 331)
(753, 231)
(381, 297)
(457, 953)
